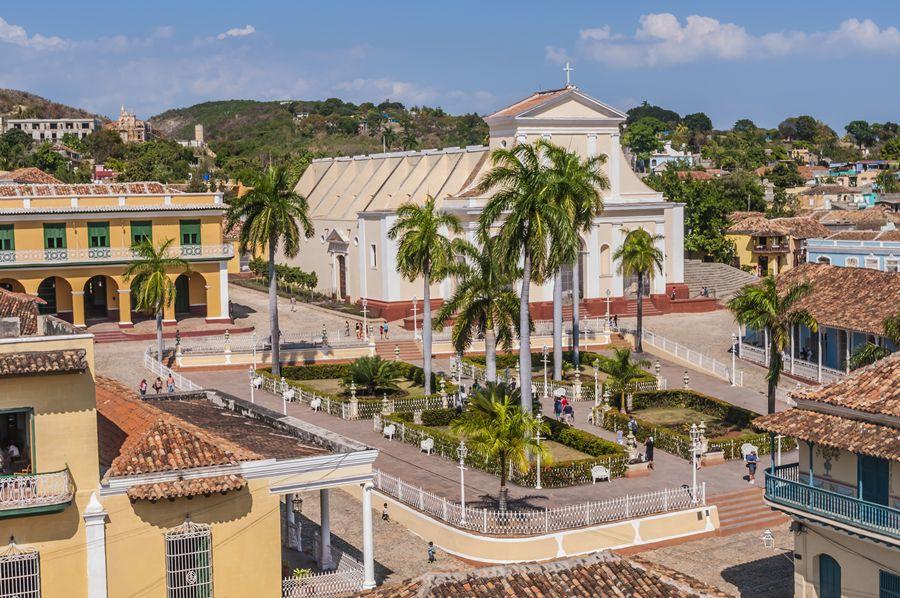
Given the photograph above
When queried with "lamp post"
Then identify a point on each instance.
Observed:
(734, 342)
(415, 318)
(608, 293)
(365, 310)
(544, 359)
(537, 438)
(462, 451)
(656, 368)
(686, 379)
(250, 372)
(254, 338)
(695, 449)
(596, 382)
(297, 508)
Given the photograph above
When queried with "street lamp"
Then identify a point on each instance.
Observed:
(365, 310)
(462, 451)
(415, 323)
(596, 382)
(297, 504)
(608, 293)
(544, 359)
(734, 342)
(537, 438)
(254, 350)
(686, 379)
(695, 450)
(657, 367)
(250, 372)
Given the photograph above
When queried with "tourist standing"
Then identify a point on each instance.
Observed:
(431, 552)
(293, 303)
(170, 383)
(557, 408)
(648, 451)
(384, 513)
(633, 425)
(157, 385)
(143, 387)
(752, 460)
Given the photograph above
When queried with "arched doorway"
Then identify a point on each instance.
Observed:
(182, 295)
(100, 298)
(342, 275)
(829, 577)
(11, 285)
(57, 295)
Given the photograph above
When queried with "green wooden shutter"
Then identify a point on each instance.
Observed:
(7, 237)
(190, 232)
(98, 234)
(829, 577)
(55, 236)
(140, 230)
(873, 479)
(888, 585)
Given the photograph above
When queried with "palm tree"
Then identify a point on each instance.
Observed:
(639, 256)
(763, 307)
(892, 329)
(424, 250)
(622, 371)
(496, 427)
(527, 223)
(154, 290)
(484, 303)
(576, 183)
(374, 374)
(271, 214)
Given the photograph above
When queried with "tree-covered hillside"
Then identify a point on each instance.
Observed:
(21, 104)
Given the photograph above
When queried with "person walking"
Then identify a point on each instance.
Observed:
(381, 331)
(384, 513)
(386, 336)
(752, 460)
(170, 383)
(157, 385)
(557, 408)
(293, 303)
(569, 414)
(633, 425)
(347, 328)
(142, 387)
(616, 321)
(431, 552)
(648, 451)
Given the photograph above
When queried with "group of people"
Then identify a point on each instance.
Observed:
(10, 456)
(563, 409)
(157, 385)
(612, 321)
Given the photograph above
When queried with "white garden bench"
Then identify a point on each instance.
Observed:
(600, 472)
(388, 431)
(257, 382)
(289, 395)
(427, 445)
(315, 404)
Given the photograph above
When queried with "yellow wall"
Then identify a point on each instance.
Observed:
(747, 257)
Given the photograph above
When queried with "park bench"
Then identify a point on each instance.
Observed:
(427, 445)
(257, 382)
(315, 404)
(600, 472)
(289, 395)
(389, 431)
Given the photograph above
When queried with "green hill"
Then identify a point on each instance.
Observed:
(22, 104)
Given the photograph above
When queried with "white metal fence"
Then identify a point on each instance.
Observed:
(538, 521)
(695, 358)
(155, 367)
(801, 368)
(347, 578)
(35, 490)
(246, 342)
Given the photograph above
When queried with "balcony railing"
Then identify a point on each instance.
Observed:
(33, 491)
(771, 249)
(108, 254)
(785, 488)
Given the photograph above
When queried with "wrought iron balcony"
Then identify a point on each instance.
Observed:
(785, 488)
(108, 254)
(39, 492)
(771, 249)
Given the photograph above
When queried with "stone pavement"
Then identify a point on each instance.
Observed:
(441, 476)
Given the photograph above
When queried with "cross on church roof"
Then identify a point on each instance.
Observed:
(568, 71)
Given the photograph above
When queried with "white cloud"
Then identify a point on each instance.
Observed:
(661, 39)
(238, 32)
(557, 55)
(383, 88)
(14, 34)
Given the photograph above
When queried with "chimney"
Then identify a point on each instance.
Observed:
(198, 134)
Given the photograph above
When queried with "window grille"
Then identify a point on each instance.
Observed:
(189, 561)
(20, 572)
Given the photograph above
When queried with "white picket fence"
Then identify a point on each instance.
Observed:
(538, 521)
(333, 583)
(157, 368)
(245, 342)
(800, 368)
(695, 358)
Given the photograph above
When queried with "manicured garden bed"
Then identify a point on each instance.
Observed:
(561, 473)
(587, 358)
(667, 415)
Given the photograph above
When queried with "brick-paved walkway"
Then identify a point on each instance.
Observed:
(441, 476)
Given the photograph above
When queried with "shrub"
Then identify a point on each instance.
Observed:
(582, 441)
(373, 375)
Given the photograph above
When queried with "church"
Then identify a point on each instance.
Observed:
(353, 202)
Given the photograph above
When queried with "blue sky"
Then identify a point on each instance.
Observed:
(764, 60)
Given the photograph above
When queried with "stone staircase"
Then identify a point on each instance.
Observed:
(745, 510)
(111, 336)
(648, 309)
(409, 349)
(725, 280)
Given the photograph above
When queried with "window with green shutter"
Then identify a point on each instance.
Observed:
(141, 230)
(7, 237)
(190, 232)
(55, 235)
(98, 234)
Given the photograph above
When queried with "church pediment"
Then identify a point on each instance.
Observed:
(565, 104)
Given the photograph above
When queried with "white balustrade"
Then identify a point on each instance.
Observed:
(108, 254)
(35, 490)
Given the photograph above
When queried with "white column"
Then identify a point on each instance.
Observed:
(591, 274)
(325, 561)
(615, 153)
(591, 145)
(368, 546)
(95, 544)
(676, 245)
(363, 264)
(792, 348)
(819, 334)
(658, 284)
(618, 283)
(223, 291)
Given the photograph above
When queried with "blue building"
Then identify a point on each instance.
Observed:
(876, 250)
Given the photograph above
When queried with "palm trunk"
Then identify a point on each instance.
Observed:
(525, 337)
(504, 491)
(159, 334)
(576, 299)
(775, 366)
(557, 325)
(490, 354)
(426, 329)
(623, 405)
(274, 331)
(638, 344)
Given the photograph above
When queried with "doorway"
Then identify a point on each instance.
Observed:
(342, 275)
(95, 293)
(182, 295)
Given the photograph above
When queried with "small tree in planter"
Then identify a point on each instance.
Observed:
(622, 370)
(374, 375)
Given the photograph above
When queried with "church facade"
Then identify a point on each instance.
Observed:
(353, 202)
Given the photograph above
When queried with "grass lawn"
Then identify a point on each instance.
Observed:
(333, 386)
(677, 417)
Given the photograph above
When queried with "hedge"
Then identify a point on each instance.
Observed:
(324, 371)
(582, 441)
(509, 360)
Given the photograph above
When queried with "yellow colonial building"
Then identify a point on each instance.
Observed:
(70, 244)
(188, 495)
(772, 245)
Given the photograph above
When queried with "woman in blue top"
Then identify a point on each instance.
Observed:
(752, 460)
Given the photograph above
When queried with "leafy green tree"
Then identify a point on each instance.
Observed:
(271, 215)
(646, 110)
(887, 181)
(528, 224)
(785, 175)
(495, 426)
(642, 138)
(157, 160)
(388, 136)
(697, 122)
(782, 204)
(622, 371)
(373, 375)
(639, 256)
(744, 125)
(103, 145)
(152, 287)
(861, 133)
(807, 128)
(891, 149)
(73, 141)
(14, 146)
(763, 308)
(867, 354)
(484, 303)
(575, 183)
(892, 329)
(424, 250)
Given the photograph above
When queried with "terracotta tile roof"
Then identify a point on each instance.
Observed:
(32, 175)
(535, 99)
(185, 488)
(850, 298)
(799, 227)
(22, 306)
(830, 190)
(64, 361)
(872, 218)
(866, 235)
(87, 189)
(872, 389)
(603, 574)
(697, 175)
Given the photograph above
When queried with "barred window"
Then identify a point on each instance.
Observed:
(189, 561)
(20, 572)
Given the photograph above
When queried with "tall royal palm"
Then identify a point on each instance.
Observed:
(424, 250)
(271, 215)
(638, 256)
(576, 183)
(153, 288)
(484, 303)
(763, 307)
(527, 222)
